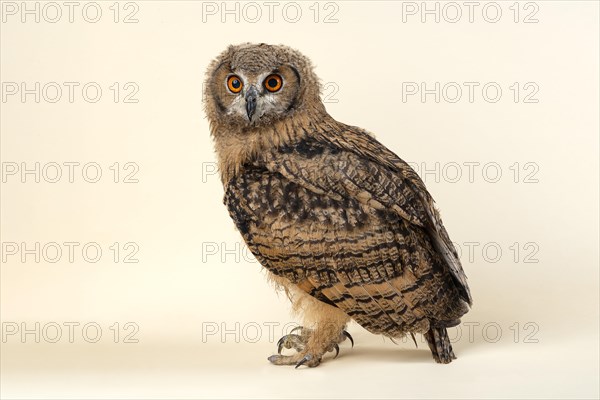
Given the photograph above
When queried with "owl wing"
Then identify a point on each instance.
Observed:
(351, 163)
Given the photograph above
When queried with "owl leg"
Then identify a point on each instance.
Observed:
(323, 330)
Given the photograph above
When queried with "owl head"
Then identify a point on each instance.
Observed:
(253, 85)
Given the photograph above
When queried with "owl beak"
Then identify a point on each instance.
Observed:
(251, 98)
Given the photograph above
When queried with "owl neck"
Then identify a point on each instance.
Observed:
(238, 147)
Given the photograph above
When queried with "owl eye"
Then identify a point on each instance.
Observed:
(273, 83)
(234, 84)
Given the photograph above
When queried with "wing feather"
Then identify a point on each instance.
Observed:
(353, 164)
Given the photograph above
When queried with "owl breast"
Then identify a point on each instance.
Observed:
(269, 198)
(297, 233)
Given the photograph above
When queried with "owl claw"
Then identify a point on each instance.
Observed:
(298, 328)
(346, 334)
(337, 350)
(289, 341)
(306, 358)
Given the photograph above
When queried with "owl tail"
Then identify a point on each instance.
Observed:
(439, 343)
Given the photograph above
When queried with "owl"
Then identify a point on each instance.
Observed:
(343, 225)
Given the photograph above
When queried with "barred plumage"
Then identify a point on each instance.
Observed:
(329, 211)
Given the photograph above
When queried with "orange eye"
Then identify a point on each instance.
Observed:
(234, 84)
(273, 83)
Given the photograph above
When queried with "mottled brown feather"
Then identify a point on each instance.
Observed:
(331, 212)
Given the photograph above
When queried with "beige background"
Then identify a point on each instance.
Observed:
(533, 331)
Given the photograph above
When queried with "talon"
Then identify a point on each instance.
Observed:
(280, 345)
(306, 358)
(337, 350)
(349, 337)
(287, 341)
(296, 329)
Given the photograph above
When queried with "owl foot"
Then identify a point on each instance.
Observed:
(303, 345)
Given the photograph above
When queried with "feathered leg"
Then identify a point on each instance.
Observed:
(322, 330)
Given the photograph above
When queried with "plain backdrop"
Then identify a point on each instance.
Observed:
(134, 283)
